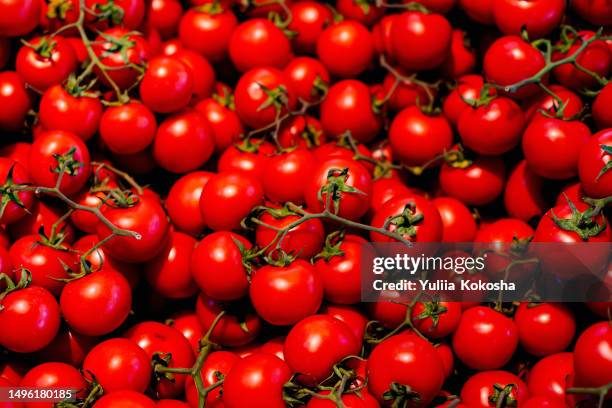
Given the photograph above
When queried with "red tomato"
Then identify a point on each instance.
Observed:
(315, 344)
(161, 341)
(68, 347)
(41, 216)
(523, 197)
(309, 19)
(258, 42)
(125, 398)
(284, 295)
(63, 110)
(127, 13)
(480, 11)
(593, 165)
(543, 101)
(54, 375)
(354, 187)
(468, 87)
(284, 175)
(18, 17)
(545, 328)
(458, 224)
(598, 12)
(34, 316)
(539, 18)
(167, 85)
(308, 77)
(304, 240)
(592, 360)
(401, 361)
(436, 319)
(361, 400)
(229, 197)
(257, 382)
(481, 326)
(13, 174)
(15, 101)
(345, 48)
(461, 58)
(45, 61)
(188, 324)
(217, 363)
(352, 316)
(164, 16)
(133, 119)
(119, 364)
(223, 120)
(203, 73)
(385, 189)
(601, 108)
(183, 202)
(208, 31)
(420, 41)
(549, 377)
(418, 138)
(302, 131)
(248, 157)
(480, 183)
(141, 214)
(484, 389)
(406, 93)
(262, 96)
(348, 107)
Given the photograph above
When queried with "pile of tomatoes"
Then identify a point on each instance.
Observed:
(188, 189)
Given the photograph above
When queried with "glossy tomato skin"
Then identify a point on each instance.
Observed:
(18, 17)
(284, 295)
(353, 317)
(573, 103)
(218, 362)
(592, 362)
(458, 224)
(601, 107)
(164, 16)
(447, 316)
(167, 85)
(13, 211)
(96, 304)
(468, 87)
(598, 12)
(405, 359)
(188, 324)
(523, 197)
(417, 138)
(429, 229)
(315, 344)
(202, 72)
(125, 398)
(258, 42)
(481, 325)
(303, 241)
(353, 205)
(420, 41)
(461, 58)
(154, 337)
(183, 142)
(348, 107)
(145, 217)
(207, 32)
(231, 330)
(346, 48)
(544, 329)
(480, 11)
(41, 216)
(549, 377)
(308, 77)
(54, 375)
(309, 20)
(256, 381)
(68, 347)
(183, 202)
(284, 175)
(510, 60)
(224, 122)
(119, 364)
(217, 266)
(42, 160)
(131, 13)
(134, 119)
(15, 101)
(42, 70)
(250, 159)
(539, 18)
(227, 198)
(480, 387)
(59, 110)
(592, 162)
(479, 183)
(34, 315)
(363, 400)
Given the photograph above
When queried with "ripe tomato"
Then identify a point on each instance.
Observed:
(262, 96)
(207, 30)
(302, 131)
(549, 377)
(492, 129)
(468, 87)
(248, 157)
(63, 110)
(34, 317)
(164, 16)
(45, 61)
(539, 18)
(593, 165)
(406, 93)
(161, 341)
(345, 48)
(142, 214)
(304, 240)
(598, 12)
(284, 175)
(309, 19)
(420, 220)
(385, 189)
(13, 174)
(68, 347)
(233, 329)
(284, 295)
(217, 363)
(308, 77)
(543, 101)
(458, 224)
(116, 48)
(420, 41)
(223, 120)
(352, 316)
(125, 398)
(601, 107)
(183, 202)
(258, 42)
(119, 364)
(188, 324)
(480, 11)
(361, 400)
(44, 166)
(315, 344)
(480, 183)
(481, 325)
(354, 185)
(132, 118)
(545, 328)
(15, 101)
(436, 319)
(509, 60)
(202, 72)
(405, 369)
(592, 360)
(461, 58)
(417, 138)
(167, 85)
(127, 13)
(227, 198)
(54, 375)
(41, 217)
(348, 106)
(256, 381)
(18, 17)
(485, 388)
(169, 273)
(523, 197)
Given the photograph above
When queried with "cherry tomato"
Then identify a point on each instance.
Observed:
(538, 18)
(68, 347)
(436, 319)
(346, 48)
(13, 174)
(284, 175)
(223, 120)
(598, 12)
(458, 224)
(45, 61)
(188, 324)
(406, 93)
(217, 363)
(134, 119)
(480, 183)
(258, 42)
(15, 101)
(485, 388)
(127, 13)
(469, 87)
(549, 377)
(302, 131)
(352, 316)
(523, 197)
(18, 17)
(309, 19)
(592, 361)
(544, 329)
(308, 77)
(593, 167)
(54, 375)
(125, 398)
(167, 85)
(303, 241)
(572, 102)
(164, 16)
(461, 58)
(208, 31)
(203, 73)
(183, 202)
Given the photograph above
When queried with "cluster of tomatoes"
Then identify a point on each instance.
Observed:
(188, 189)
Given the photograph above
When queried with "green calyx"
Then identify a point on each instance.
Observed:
(401, 395)
(332, 246)
(406, 222)
(502, 396)
(109, 11)
(57, 9)
(67, 163)
(336, 187)
(582, 223)
(432, 310)
(607, 150)
(9, 192)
